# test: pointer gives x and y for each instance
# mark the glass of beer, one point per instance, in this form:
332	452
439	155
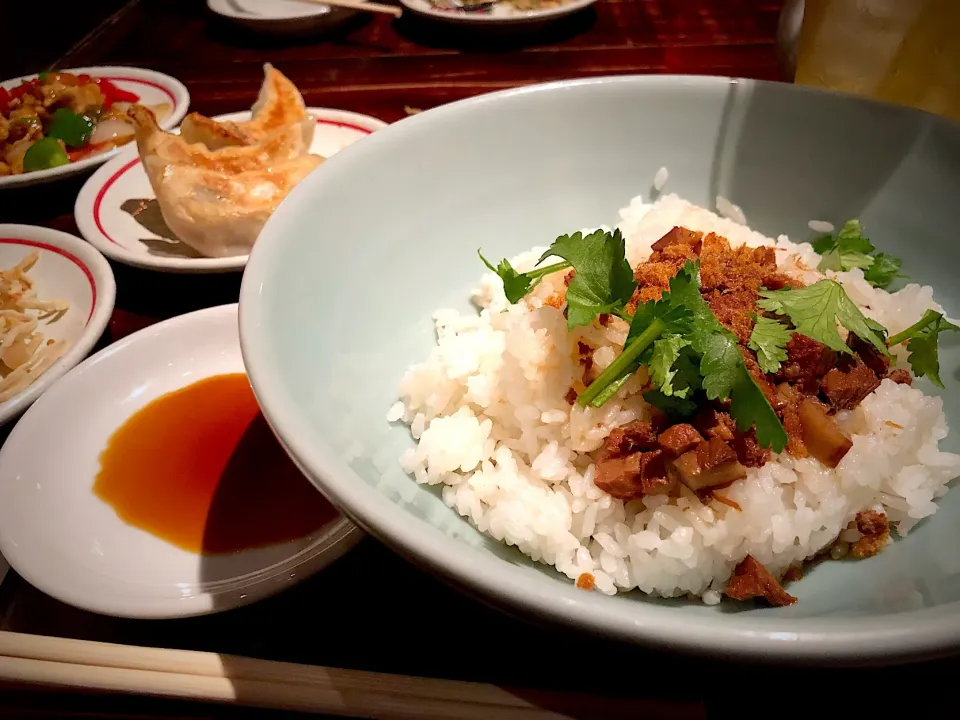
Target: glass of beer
899	51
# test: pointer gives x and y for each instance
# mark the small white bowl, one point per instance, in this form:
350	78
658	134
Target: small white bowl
280	17
106	203
151	86
71	545
68	269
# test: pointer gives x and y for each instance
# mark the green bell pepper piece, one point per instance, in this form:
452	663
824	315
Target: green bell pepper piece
73	129
44	154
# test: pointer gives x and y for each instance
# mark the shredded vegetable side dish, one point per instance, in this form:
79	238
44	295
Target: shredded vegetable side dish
25	352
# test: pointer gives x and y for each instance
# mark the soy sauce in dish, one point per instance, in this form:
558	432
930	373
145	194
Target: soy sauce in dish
200	468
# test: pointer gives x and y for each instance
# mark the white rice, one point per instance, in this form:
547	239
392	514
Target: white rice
730	211
660	179
494	430
821	226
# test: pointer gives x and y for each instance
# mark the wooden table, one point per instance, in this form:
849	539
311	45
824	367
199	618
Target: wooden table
381	67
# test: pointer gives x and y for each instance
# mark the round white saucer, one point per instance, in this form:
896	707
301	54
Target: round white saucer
64	540
150	86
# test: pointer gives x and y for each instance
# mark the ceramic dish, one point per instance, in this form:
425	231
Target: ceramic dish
493	14
56	533
280	17
117	212
152	87
570	155
68	269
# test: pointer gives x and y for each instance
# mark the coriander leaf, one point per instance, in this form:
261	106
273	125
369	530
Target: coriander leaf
814	311
850	249
924	356
609	391
853	320
651	320
687	369
884	270
851	237
676	408
603	281
675	319
666	352
929	318
685	292
725	375
923	339
711	361
720	366
824	244
515	285
749	407
769	340
879	329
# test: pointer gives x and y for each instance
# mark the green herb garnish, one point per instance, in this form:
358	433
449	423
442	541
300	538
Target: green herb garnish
676	408
517	285
668	373
922	340
680	327
654	322
850	249
603	282
814	311
884	270
769	340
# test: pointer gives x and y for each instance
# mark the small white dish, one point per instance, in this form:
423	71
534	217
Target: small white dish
501	13
68	269
71	545
280	17
152	87
117	211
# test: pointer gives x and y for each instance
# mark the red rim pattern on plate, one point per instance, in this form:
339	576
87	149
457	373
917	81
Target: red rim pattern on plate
116	176
69	256
141	81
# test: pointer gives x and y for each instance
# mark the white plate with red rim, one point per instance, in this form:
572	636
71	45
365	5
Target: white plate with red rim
64	540
117	210
68	269
493	13
152	87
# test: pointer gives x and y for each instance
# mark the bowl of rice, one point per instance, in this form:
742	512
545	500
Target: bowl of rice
696	391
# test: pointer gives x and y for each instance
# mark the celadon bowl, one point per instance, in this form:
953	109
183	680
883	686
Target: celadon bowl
339	291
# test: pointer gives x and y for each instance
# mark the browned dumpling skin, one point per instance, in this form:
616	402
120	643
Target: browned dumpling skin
278	106
216	196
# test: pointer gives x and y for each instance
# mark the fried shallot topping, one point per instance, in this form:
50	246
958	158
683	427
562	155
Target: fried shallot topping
875	530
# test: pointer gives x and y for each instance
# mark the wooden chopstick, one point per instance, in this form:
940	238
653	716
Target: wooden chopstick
361	5
83	664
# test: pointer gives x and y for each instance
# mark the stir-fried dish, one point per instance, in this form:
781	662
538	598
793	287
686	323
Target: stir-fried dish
25	352
58	118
